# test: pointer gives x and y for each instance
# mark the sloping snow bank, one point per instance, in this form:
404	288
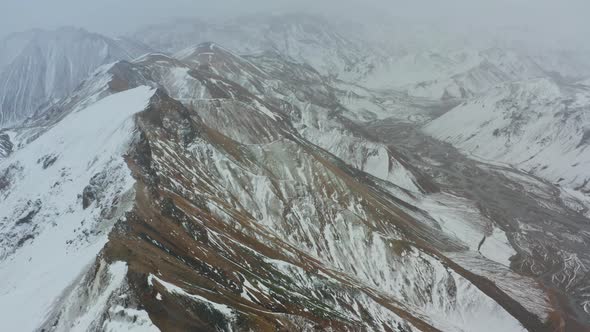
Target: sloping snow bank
47	238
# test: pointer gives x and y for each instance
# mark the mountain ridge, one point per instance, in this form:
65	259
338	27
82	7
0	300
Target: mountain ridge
231	192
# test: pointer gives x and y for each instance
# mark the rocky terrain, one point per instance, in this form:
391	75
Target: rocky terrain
265	185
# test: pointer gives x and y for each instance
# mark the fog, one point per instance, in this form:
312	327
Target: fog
562	22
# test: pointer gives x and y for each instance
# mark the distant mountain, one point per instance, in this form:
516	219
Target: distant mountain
537	125
334	51
566	64
13	44
444	75
39	67
305	38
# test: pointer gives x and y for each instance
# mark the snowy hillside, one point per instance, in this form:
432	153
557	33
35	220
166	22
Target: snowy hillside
538	126
40	67
60	196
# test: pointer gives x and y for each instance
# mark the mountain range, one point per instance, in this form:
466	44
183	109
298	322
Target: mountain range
276	173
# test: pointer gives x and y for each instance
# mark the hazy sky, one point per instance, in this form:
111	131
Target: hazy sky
568	17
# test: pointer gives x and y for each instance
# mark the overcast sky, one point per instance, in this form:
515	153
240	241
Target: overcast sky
565	18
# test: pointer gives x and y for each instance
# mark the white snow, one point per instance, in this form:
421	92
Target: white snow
370	157
86	142
475	312
497	248
129	320
535	125
261	108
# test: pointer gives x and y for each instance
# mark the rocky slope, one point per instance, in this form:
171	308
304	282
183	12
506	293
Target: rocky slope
240	214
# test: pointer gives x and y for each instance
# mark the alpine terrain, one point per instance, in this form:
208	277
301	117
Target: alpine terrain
279	173
39	67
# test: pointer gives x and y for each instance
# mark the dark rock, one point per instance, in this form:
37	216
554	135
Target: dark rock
93	191
27	217
6	146
22	241
88	196
47	161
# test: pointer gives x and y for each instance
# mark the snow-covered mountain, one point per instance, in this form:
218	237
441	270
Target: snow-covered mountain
305	38
242	196
40	67
289	188
13	44
539	126
567	64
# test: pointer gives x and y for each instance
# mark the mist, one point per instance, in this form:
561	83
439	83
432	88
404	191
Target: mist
561	23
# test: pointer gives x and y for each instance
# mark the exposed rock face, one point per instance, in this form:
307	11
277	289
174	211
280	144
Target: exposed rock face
94	192
6	146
